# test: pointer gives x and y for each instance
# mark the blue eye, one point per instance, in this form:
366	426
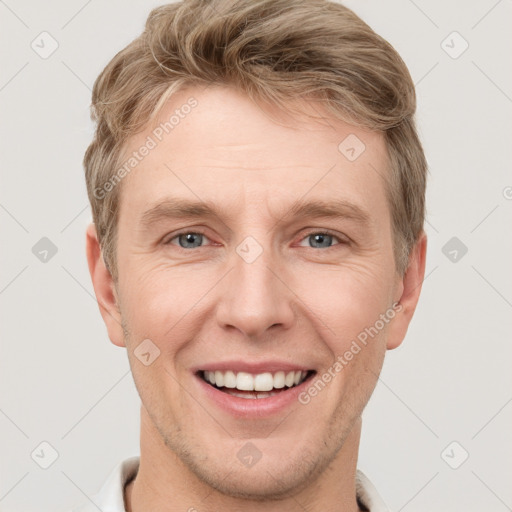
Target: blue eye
315	240
189	240
321	240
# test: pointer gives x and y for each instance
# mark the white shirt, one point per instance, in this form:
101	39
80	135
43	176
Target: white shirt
110	498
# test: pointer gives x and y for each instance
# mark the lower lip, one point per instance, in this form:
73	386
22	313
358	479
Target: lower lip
252	407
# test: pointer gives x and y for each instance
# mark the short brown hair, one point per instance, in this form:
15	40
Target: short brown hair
273	51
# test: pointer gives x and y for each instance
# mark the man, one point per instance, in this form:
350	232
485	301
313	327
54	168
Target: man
257	188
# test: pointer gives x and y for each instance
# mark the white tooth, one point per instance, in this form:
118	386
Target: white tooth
288	380
219	379
244	381
229	380
279	380
263	382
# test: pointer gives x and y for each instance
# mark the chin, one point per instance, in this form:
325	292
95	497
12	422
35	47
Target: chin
282	470
269	480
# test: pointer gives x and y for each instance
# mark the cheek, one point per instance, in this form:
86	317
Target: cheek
157	300
346	301
151	312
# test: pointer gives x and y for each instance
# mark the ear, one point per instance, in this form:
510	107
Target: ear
104	288
408	293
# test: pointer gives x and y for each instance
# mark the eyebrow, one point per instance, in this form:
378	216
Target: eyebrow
179	208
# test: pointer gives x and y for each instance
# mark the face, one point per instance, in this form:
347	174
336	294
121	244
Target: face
253	254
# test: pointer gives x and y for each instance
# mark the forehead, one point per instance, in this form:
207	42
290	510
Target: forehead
218	146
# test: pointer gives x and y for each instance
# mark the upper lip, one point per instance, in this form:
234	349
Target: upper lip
271	366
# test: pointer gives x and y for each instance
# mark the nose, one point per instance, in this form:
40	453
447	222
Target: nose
254	296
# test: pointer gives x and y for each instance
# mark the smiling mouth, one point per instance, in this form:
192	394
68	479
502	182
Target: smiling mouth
261	385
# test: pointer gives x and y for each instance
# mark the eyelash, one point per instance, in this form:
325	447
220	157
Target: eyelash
328	232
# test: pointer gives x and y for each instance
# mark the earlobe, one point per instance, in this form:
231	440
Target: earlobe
409	293
104	288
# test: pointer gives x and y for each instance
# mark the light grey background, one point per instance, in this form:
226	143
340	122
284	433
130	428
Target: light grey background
63	382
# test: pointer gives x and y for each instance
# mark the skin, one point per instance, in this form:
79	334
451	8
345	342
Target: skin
300	301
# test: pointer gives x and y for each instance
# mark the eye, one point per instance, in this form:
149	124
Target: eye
187	239
317	240
322	240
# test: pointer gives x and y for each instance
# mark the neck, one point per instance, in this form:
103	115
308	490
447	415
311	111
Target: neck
164	484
